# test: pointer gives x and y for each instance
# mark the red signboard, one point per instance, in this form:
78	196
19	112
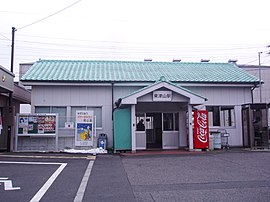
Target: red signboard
201	129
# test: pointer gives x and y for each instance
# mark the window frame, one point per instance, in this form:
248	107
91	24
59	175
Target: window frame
217	114
61	124
68	113
98	120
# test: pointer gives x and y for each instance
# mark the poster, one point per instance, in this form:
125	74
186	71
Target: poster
23	124
35	124
84	128
201	129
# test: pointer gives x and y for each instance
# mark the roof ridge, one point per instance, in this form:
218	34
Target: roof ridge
131	61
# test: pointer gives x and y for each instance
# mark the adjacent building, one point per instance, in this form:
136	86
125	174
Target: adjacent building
260	95
11	96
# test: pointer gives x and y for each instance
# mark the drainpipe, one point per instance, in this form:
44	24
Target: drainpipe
112	113
112	99
252	89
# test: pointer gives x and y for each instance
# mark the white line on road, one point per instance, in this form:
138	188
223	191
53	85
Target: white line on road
30	163
47	185
49	182
81	190
8	185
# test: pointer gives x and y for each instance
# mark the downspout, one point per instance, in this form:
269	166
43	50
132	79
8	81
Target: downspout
252	89
112	113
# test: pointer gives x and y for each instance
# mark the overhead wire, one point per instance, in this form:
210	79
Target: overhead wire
5	37
48	16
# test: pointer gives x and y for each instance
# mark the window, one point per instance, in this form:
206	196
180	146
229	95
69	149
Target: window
62	115
140	122
227	116
97	113
170	121
221	116
42	109
61	111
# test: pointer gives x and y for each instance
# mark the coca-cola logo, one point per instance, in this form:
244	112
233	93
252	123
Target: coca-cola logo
202	126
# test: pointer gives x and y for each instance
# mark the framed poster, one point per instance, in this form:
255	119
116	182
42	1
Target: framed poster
36	124
84	128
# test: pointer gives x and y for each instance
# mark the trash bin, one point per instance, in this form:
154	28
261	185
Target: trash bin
217	140
211	142
102	141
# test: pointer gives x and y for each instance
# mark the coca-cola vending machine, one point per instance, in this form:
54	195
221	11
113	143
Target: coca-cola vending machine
201	129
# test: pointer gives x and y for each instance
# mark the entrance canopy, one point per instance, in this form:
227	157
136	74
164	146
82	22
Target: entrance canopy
163	91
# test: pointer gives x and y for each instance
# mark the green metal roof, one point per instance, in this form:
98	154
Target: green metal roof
127	71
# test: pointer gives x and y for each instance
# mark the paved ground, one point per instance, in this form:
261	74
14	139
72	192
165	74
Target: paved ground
205	176
237	176
32	172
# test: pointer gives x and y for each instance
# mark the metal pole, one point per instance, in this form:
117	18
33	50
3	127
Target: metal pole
12	49
260	76
10	99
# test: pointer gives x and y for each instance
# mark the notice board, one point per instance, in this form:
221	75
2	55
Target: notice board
36	124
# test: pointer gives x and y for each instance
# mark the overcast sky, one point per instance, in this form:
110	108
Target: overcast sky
190	30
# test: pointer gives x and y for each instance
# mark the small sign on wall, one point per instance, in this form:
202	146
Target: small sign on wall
69	124
162	95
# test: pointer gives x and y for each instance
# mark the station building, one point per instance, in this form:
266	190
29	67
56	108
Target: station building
122	93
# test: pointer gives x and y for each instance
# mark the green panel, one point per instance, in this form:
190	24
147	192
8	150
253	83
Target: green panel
122	129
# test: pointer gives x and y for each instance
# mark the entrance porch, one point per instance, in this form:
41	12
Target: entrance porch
165	111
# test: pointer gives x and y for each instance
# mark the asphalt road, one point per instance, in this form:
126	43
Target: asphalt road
213	176
30	174
229	176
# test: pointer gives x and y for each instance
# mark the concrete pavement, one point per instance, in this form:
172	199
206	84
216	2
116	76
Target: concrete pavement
233	175
215	176
109	181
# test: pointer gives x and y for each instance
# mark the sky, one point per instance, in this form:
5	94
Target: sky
132	30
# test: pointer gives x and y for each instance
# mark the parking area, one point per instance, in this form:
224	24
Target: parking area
216	176
43	178
213	176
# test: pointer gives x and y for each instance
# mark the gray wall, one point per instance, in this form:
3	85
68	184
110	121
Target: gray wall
94	96
265	77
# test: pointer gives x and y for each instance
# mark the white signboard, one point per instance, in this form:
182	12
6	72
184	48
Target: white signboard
162	95
84	128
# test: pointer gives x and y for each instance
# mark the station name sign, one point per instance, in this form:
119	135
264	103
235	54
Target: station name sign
162	95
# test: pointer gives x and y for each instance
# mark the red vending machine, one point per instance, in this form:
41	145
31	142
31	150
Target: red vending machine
201	129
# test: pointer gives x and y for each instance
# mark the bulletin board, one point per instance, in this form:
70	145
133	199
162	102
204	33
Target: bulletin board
36	125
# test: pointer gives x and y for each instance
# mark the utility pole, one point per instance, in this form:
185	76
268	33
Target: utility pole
10	99
260	76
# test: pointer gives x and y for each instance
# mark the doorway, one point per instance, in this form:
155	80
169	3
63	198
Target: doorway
153	128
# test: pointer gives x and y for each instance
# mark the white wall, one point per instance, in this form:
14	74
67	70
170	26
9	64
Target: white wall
224	95
234	96
102	97
77	96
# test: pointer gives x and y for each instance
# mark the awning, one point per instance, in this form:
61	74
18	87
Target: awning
162	83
